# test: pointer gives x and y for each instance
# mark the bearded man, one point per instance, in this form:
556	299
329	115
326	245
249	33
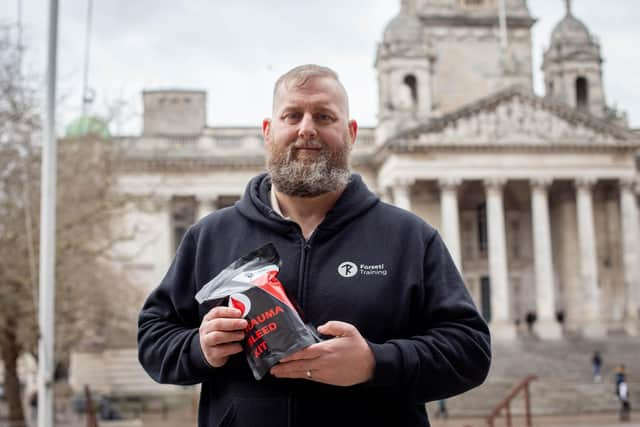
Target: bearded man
393	340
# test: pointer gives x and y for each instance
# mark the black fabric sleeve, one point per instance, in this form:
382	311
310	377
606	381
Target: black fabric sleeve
168	342
453	354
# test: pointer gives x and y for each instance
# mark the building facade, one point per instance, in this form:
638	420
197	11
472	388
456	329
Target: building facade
536	197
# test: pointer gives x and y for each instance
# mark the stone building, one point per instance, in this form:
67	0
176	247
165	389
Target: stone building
535	196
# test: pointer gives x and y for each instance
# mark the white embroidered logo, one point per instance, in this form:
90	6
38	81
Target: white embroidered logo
347	269
350	269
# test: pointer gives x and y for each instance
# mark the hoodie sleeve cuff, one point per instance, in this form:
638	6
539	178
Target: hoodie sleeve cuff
197	356
386	357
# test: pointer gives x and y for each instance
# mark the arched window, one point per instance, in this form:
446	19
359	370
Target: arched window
582	93
412	84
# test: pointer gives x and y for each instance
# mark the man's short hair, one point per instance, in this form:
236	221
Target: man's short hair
301	75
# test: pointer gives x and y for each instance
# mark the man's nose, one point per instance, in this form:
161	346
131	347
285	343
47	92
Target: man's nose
307	128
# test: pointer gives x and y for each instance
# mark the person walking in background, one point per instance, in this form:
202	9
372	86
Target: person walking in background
596	362
620	376
442	409
623	397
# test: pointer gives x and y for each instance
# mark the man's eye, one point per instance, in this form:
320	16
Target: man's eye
292	117
324	118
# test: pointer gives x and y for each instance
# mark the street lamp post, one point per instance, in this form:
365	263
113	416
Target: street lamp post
46	309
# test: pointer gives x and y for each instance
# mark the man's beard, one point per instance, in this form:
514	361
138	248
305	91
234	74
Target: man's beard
309	177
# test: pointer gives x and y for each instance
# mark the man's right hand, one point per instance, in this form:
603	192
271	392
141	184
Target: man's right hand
221	331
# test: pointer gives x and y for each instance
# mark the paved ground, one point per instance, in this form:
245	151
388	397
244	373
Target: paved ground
186	417
593	420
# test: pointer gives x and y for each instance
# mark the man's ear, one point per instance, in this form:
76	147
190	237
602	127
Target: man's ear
353	130
266	130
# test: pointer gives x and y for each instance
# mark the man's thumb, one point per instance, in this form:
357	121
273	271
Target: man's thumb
336	329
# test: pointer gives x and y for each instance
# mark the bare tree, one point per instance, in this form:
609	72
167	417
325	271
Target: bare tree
19	124
90	283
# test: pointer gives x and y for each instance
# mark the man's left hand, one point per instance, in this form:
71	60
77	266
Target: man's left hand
343	360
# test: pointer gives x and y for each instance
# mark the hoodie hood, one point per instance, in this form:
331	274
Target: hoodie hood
354	201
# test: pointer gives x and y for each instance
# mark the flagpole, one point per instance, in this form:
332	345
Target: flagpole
46	308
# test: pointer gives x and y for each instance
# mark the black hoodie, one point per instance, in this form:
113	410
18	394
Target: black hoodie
368	263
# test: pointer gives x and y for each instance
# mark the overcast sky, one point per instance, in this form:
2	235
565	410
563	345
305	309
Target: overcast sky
235	50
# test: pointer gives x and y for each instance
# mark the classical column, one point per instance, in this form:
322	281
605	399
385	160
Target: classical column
592	323
162	248
501	325
546	325
206	205
401	193
631	253
385	195
450	217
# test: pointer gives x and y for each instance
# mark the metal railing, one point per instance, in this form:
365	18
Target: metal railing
92	420
505	404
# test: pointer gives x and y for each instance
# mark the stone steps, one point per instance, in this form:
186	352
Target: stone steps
115	372
605	419
565	383
569	361
546	398
564	386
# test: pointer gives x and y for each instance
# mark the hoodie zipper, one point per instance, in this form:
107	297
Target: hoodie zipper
302	270
291	414
302	283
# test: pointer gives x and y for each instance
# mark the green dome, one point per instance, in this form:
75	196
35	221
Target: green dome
87	125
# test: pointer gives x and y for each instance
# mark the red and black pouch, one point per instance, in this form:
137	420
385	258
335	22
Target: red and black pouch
275	328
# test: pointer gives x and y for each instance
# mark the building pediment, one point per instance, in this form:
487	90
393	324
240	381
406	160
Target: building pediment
514	117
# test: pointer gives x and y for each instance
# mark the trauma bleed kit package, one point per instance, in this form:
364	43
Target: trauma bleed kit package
275	328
